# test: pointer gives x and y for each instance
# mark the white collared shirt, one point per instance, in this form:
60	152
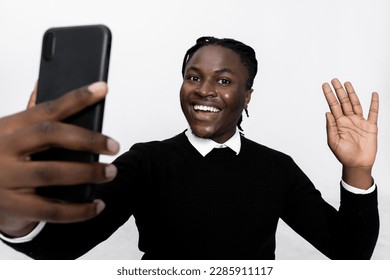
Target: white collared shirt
204	145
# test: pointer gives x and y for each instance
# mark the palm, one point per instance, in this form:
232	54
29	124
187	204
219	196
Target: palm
351	138
354	144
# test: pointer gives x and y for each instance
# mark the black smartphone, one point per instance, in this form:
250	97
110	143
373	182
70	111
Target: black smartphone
73	57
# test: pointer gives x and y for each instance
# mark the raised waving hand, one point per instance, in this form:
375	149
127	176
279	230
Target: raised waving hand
351	137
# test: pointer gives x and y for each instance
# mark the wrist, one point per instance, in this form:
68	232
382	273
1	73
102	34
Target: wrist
359	177
14	233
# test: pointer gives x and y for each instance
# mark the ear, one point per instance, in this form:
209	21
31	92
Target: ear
248	95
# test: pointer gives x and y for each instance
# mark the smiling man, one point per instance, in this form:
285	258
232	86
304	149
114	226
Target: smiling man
214	92
211	193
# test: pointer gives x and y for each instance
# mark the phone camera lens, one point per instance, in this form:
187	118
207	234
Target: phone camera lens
48	46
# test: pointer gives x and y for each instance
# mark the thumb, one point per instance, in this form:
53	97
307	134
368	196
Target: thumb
33	97
331	128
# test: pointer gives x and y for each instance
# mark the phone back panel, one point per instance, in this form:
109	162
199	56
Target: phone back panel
73	57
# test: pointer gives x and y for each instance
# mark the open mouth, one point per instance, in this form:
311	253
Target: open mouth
204	108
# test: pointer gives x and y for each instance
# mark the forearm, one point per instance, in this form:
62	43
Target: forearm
349	233
55	241
359	225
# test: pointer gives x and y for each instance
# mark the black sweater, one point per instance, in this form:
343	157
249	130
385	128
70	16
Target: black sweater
222	206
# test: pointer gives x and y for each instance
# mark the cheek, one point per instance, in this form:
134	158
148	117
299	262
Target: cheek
184	91
182	94
233	100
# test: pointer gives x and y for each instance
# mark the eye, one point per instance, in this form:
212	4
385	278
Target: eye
193	78
223	81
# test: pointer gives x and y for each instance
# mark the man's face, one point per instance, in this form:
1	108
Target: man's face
213	94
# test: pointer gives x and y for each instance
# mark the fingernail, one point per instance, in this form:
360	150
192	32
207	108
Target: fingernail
110	171
99	88
112	145
99	206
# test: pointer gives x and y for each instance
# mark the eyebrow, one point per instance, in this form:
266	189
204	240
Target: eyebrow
223	70
218	71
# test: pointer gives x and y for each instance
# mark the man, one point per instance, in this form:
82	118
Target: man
210	193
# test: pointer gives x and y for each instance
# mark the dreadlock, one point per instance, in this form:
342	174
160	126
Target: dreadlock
246	53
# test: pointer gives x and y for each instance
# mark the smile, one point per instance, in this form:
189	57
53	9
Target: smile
206	108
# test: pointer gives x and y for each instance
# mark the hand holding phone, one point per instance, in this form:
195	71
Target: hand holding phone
38	128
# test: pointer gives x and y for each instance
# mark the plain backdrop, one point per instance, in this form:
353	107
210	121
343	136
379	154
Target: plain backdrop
299	45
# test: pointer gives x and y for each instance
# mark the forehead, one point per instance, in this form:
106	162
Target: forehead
214	57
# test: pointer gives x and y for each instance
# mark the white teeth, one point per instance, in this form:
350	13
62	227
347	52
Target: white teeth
206	108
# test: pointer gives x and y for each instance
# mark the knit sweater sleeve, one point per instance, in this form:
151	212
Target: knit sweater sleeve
348	233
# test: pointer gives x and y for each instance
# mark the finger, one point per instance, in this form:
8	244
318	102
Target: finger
43	173
374	108
343	98
60	108
354	99
37	208
70	103
33	97
47	134
334	105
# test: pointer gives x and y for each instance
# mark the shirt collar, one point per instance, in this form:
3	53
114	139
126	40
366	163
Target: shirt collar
204	145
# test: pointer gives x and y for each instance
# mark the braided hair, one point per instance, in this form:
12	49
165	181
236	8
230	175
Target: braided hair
246	53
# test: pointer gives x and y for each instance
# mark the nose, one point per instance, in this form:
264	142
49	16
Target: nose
206	89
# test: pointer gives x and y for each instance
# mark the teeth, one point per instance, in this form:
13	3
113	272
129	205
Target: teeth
206	108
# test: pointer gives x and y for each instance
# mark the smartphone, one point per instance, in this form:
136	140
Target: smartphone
73	57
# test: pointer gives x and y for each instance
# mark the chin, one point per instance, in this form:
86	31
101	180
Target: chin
202	132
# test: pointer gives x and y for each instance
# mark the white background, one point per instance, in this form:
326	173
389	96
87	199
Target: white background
299	45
